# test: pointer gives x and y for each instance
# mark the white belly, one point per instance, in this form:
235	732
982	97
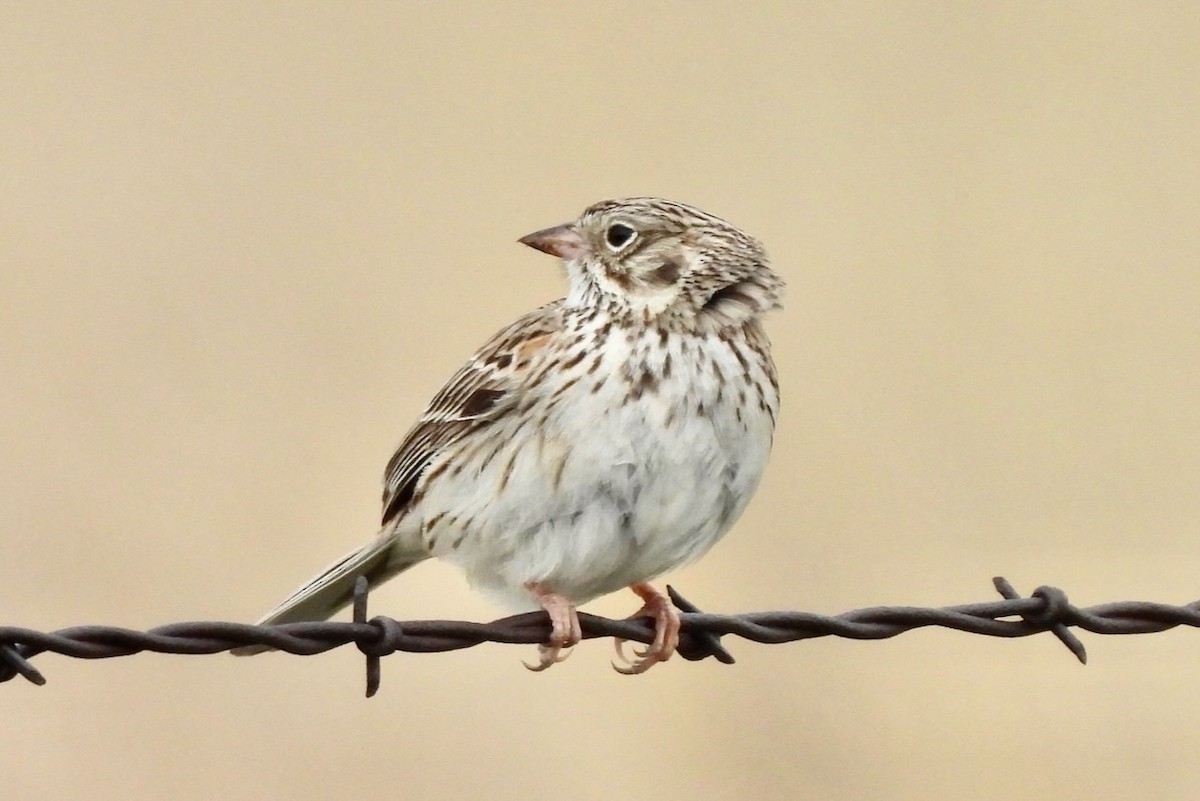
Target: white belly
601	489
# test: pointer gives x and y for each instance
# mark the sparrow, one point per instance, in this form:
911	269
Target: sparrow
596	442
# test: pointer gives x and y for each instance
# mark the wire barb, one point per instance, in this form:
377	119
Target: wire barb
19	665
1056	607
700	637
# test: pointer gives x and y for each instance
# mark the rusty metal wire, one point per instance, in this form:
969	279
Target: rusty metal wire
1046	610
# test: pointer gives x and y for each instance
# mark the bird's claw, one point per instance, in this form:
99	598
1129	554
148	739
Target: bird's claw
666	633
549	655
565	631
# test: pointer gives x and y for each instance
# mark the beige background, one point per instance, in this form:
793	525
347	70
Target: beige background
241	246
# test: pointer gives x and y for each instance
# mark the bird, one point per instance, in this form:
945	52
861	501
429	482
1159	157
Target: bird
596	442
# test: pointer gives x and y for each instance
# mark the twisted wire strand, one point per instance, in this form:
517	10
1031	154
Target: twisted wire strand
1046	610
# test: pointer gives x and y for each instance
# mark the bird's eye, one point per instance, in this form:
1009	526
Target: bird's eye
618	236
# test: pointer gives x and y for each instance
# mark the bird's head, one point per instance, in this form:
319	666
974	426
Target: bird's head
662	262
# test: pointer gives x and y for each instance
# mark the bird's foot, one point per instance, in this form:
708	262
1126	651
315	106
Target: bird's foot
666	632
564	628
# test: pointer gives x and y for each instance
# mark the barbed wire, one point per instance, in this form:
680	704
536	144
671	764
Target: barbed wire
1046	610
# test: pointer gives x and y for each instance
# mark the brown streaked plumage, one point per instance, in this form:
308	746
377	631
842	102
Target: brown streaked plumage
598	440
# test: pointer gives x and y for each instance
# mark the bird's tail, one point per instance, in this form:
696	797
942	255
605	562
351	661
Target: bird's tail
333	588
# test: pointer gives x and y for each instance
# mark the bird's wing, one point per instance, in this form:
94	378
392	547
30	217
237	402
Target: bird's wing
487	386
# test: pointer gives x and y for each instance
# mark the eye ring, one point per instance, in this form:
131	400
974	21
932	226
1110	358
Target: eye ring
618	236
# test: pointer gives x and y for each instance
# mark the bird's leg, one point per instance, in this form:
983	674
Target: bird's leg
666	631
564	627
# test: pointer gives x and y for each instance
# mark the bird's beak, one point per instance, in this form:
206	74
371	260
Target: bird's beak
561	240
